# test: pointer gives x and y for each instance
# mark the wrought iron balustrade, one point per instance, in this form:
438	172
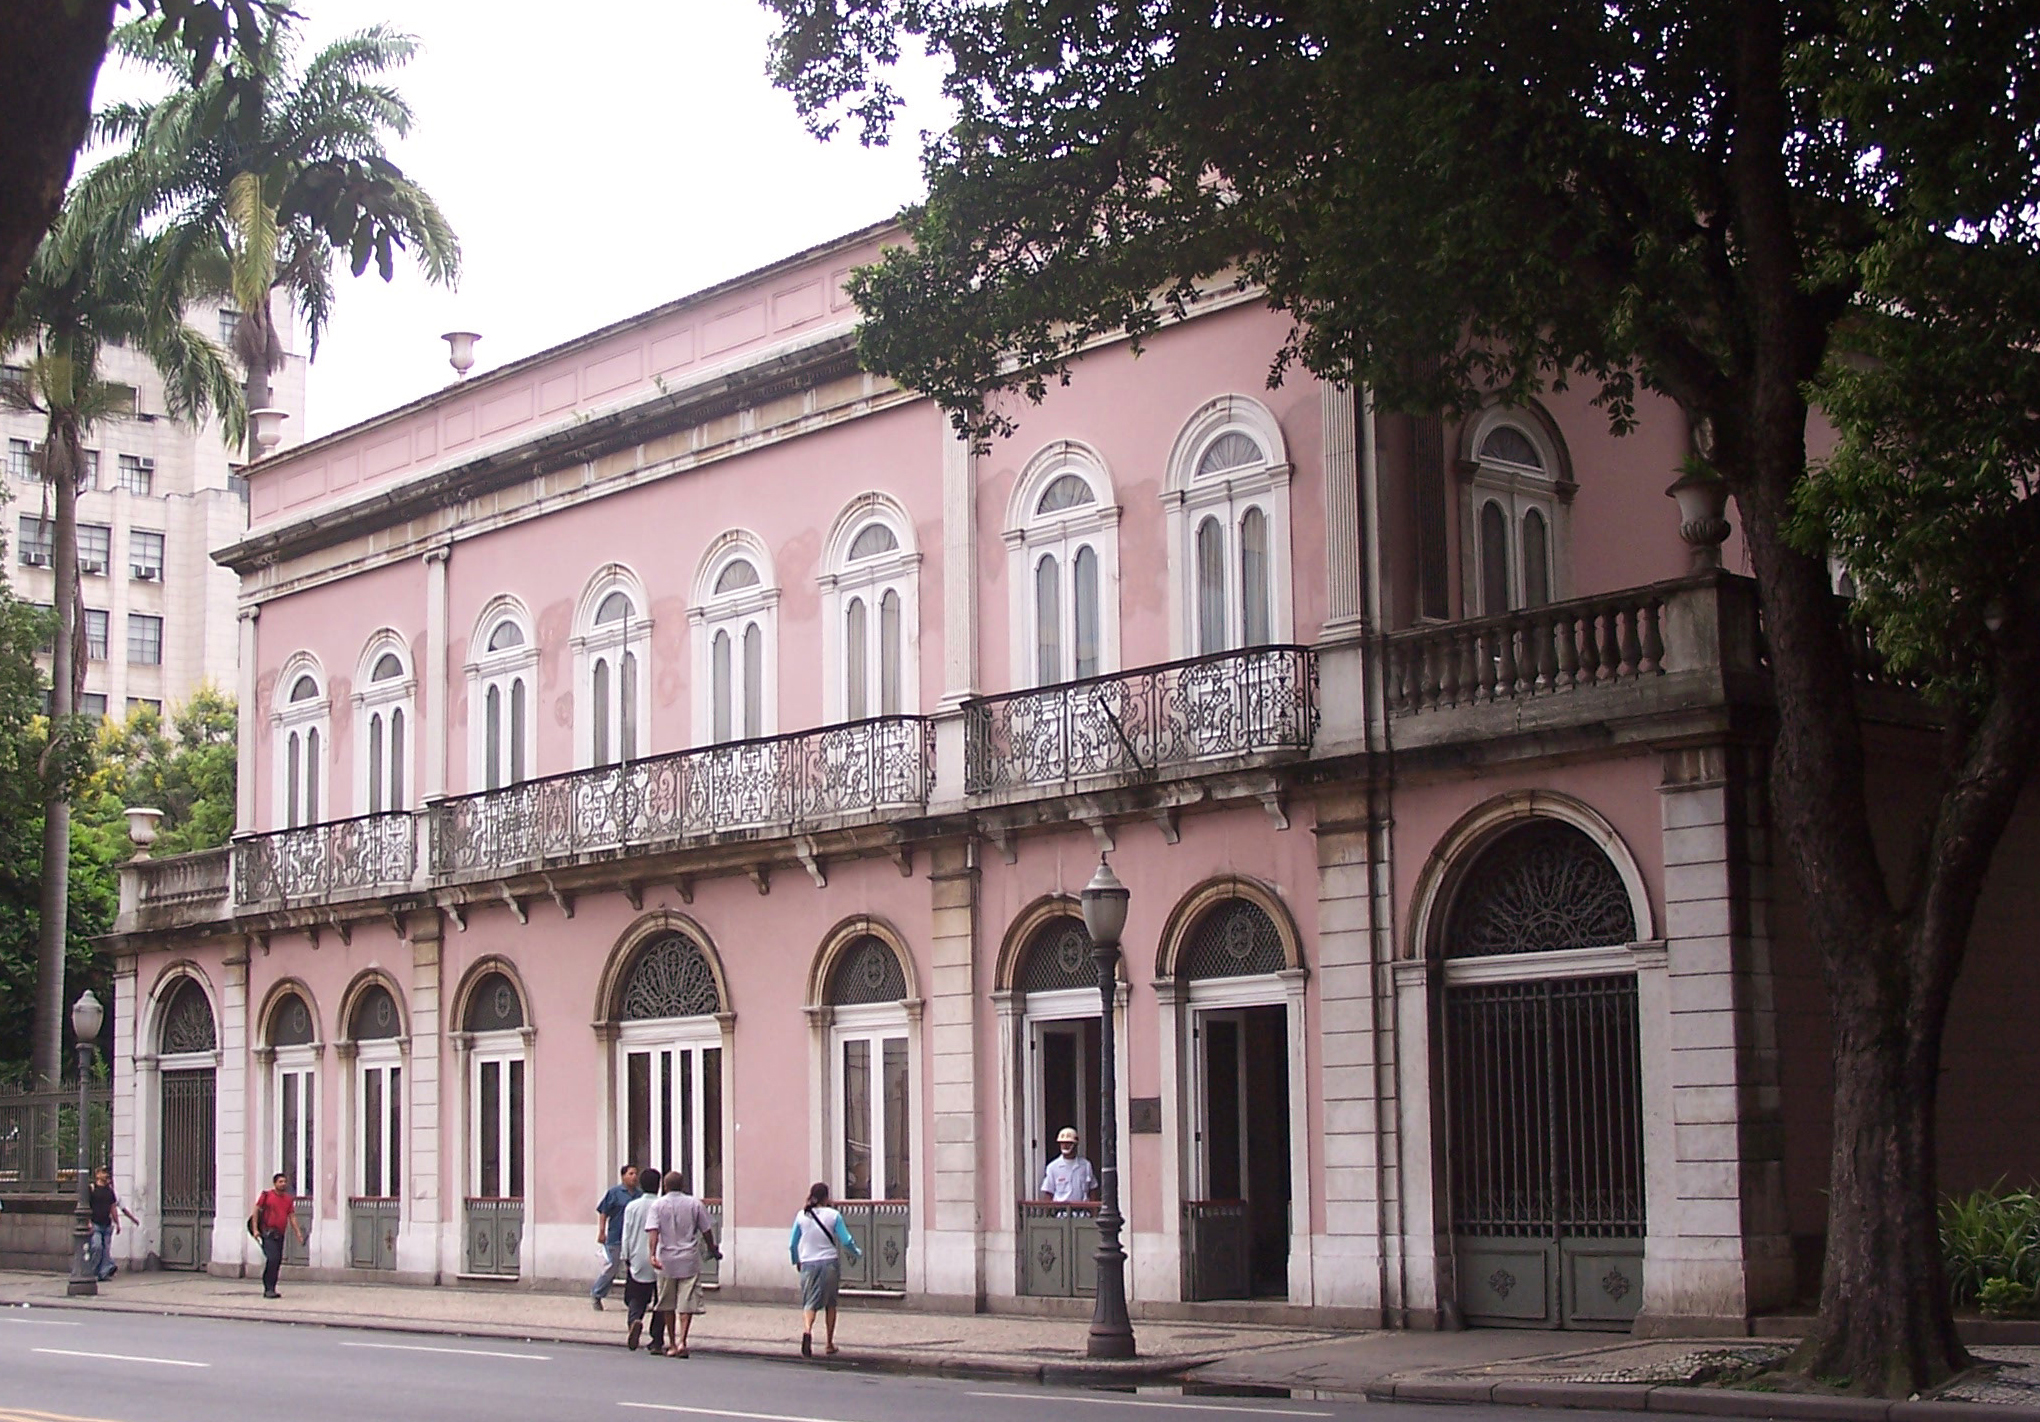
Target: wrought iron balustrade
183	878
1058	1248
1538	651
1135	723
775	783
338	857
880	1228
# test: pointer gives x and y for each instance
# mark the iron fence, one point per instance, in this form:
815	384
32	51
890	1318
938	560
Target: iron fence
315	861
775	783
1136	723
39	1138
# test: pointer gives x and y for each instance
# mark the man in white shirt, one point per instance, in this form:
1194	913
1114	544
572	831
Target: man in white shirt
640	1283
1069	1176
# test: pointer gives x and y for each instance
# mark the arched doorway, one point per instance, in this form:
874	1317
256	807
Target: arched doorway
375	1205
871	1058
291	1045
187	1047
670	1065
1054	986
493	1042
1237	1215
1543	1093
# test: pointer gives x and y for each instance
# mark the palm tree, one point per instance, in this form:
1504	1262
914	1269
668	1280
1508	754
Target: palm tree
259	173
84	289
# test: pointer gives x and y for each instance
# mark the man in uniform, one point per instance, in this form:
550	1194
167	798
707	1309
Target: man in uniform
1069	1176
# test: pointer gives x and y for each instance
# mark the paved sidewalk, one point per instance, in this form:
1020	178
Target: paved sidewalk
872	1335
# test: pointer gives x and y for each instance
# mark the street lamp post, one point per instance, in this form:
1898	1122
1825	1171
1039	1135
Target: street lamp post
86	1016
1104	900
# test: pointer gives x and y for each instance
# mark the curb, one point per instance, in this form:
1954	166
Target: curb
1707	1402
1073	1370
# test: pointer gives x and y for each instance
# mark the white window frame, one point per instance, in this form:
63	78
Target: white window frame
605	644
298	722
1030	537
1517	489
844	581
297	1158
501	671
677	1035
500	1050
733	613
1188	499
876	1024
380	1054
375	704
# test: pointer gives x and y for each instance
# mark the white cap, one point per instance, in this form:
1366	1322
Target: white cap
1067	1133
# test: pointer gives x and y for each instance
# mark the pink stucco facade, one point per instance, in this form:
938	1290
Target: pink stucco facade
678	749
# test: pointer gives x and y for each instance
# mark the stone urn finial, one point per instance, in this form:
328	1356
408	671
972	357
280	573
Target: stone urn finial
265	430
142	828
1703	508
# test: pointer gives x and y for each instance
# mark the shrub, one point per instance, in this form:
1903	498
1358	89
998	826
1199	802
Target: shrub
1992	1238
2005	1298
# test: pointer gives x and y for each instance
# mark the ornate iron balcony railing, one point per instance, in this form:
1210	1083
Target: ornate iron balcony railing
338	857
1136	723
776	783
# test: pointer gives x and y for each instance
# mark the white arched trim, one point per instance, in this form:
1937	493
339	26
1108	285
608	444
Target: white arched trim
613	657
511	674
1461	847
385	728
1533	561
1034	538
1249	503
301	740
862	585
737	614
172	977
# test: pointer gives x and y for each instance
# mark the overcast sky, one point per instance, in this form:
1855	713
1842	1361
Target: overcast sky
596	158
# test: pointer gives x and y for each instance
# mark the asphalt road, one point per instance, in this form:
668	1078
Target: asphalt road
62	1364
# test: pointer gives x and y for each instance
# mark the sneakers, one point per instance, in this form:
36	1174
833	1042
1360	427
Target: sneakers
637	1328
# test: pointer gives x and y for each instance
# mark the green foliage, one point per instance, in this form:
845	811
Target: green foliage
1991	1240
186	769
2006	1298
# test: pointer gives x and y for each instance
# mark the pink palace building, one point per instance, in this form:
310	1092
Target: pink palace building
679	748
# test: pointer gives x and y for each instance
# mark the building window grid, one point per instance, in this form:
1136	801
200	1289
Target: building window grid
21	459
137	475
734	627
145	554
36	546
95	634
144	640
95	548
1516	498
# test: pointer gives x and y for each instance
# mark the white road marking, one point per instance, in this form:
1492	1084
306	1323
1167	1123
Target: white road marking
122	1358
723	1412
465	1352
1158	1402
43	1322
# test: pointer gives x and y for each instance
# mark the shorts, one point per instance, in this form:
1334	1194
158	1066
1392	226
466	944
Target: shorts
818	1285
681	1295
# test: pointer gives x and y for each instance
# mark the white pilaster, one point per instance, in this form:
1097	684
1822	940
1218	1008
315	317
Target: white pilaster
418	1237
245	723
435	681
231	1193
959	569
130	1174
1343	569
955	1260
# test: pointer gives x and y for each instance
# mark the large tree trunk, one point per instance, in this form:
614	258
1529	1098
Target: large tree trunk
1884	1310
50	52
54	926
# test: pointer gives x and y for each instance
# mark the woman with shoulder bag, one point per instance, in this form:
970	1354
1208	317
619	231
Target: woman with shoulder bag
819	1242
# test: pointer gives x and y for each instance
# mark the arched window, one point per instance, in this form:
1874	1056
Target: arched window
1227	499
871	597
612	648
188	1021
670	1061
735	619
383	720
294	1093
871	1064
1232	939
1541	887
493	1021
1063	549
375	1029
502	700
300	728
1519	496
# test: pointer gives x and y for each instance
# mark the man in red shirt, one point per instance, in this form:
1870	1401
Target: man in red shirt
275	1211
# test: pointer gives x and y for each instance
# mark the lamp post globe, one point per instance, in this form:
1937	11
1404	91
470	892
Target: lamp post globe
1104	902
87	1016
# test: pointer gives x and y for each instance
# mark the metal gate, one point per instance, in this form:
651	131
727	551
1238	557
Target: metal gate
187	1155
1545	1141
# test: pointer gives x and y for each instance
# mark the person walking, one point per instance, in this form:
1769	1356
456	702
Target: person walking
680	1233
609	1230
275	1211
820	1240
640	1281
106	1212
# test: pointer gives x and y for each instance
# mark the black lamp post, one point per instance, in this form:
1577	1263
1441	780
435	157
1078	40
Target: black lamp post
1104	900
86	1016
